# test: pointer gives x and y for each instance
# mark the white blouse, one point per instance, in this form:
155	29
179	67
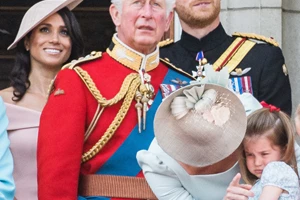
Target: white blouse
169	180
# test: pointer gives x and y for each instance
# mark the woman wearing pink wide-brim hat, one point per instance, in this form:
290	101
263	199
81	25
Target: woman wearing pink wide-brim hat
48	37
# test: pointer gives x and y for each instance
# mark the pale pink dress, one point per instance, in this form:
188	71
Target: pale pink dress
22	132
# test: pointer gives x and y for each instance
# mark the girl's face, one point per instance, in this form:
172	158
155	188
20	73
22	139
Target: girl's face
260	151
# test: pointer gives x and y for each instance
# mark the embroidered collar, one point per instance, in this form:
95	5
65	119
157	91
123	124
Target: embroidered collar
131	58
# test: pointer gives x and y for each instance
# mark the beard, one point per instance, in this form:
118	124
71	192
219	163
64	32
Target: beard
197	20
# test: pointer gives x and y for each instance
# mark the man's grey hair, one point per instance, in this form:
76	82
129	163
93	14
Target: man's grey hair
169	3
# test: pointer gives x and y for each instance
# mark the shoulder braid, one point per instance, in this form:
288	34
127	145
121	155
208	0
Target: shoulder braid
92	56
269	40
167	62
165	42
127	92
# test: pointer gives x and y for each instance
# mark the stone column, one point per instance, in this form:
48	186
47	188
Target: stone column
291	44
262	17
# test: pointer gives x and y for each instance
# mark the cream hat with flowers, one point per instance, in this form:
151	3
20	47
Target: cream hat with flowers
200	124
38	13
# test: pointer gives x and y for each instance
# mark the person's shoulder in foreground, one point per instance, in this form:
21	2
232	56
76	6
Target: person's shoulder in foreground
7	186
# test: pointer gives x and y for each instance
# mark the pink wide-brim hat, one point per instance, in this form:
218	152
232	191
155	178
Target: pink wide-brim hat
193	139
38	13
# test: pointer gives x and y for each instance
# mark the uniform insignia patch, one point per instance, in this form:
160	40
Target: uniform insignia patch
240	72
59	92
179	82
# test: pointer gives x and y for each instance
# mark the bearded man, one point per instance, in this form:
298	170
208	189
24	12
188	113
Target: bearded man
255	68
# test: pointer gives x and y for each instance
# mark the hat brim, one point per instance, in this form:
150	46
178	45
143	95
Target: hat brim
217	143
38	13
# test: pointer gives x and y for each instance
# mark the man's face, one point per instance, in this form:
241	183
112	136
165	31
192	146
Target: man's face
142	23
198	13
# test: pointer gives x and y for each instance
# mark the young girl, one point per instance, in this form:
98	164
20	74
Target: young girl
268	159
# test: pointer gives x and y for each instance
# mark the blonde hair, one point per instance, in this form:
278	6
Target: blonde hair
277	127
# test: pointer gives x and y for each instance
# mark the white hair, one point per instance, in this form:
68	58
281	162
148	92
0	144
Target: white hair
169	4
118	4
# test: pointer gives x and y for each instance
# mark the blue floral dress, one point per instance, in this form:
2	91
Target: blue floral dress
281	175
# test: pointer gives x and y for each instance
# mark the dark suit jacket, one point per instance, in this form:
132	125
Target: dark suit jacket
269	83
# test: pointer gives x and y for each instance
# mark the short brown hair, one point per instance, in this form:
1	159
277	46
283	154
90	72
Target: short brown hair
277	127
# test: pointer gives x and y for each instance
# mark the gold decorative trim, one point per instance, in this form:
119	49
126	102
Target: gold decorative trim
257	37
127	91
239	55
51	87
116	122
165	42
93	123
88	81
167	62
133	59
225	55
234	54
92	56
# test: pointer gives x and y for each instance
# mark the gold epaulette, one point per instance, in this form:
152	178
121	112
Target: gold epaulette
92	56
165	42
169	64
254	36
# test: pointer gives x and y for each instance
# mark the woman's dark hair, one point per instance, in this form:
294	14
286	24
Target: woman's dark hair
22	67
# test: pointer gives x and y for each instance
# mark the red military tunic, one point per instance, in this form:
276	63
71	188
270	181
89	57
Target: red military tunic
70	110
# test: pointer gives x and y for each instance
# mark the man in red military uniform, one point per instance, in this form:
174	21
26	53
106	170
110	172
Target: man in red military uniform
100	109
